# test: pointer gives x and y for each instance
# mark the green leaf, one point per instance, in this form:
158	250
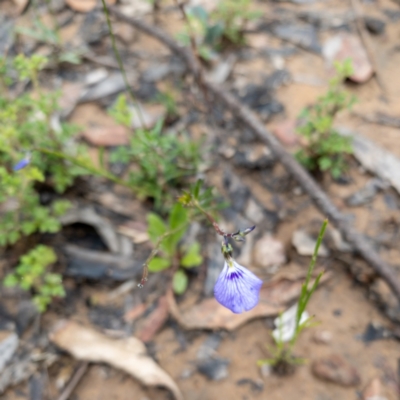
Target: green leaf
325	163
158	264
178	218
180	282
10	280
156	227
192	258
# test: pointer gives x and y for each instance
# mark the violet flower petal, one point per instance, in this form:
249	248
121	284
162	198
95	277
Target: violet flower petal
21	164
237	288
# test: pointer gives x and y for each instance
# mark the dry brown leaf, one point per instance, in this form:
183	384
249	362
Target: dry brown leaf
128	354
154	321
82	5
209	314
85	6
116	135
135	312
20	5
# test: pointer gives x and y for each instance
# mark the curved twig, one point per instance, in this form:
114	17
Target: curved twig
247	117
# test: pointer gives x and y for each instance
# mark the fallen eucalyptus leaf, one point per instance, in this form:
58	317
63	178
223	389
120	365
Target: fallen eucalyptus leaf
128	354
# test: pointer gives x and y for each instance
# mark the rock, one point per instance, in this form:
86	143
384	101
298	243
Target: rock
113	84
375	25
373	391
8	345
269	252
305	244
261	99
209	347
93	28
6	34
71	92
336	369
95	76
322	337
215	369
303	35
367	193
285	131
375	331
254	156
220	73
277	79
254	212
344	46
375	159
335	240
238	192
255	386
214	266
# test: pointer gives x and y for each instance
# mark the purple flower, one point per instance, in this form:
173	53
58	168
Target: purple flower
237	288
22	163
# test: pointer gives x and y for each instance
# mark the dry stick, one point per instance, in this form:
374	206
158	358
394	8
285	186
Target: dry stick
362	32
248	118
74	381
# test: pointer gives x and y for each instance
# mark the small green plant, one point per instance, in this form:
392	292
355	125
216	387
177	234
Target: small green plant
223	25
173	255
26	124
159	161
42	33
32	274
326	149
282	359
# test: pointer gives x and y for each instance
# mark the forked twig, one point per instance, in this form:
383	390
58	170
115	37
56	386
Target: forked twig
249	119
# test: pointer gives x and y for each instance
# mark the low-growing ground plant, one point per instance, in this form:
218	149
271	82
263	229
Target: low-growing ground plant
158	161
326	149
283	359
26	123
31	274
172	254
212	31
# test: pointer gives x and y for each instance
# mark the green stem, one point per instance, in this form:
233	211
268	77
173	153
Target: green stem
305	291
121	65
88	167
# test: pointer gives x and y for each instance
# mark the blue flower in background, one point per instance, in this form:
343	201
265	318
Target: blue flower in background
237	288
22	163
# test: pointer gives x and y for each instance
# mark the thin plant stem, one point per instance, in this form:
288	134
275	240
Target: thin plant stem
90	168
121	65
305	291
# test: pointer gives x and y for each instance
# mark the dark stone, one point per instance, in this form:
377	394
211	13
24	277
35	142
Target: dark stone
238	193
393	15
93	28
255	387
375	25
261	99
278	78
255	156
367	193
303	35
215	369
375	332
337	312
107	317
